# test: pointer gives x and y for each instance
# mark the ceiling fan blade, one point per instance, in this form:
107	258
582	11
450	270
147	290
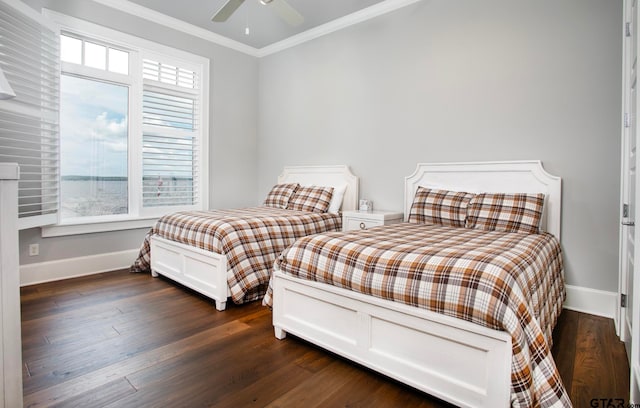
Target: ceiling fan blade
226	10
287	13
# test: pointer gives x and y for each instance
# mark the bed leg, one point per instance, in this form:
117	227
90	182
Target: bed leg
280	334
220	305
154	273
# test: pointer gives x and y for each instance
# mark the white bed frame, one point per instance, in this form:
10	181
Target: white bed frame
205	271
455	360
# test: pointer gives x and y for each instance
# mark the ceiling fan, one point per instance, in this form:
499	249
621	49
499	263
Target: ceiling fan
284	10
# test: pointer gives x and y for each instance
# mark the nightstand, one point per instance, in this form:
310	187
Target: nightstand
355	220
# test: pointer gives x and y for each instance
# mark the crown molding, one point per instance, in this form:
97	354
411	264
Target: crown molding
335	25
179	25
376	10
31	13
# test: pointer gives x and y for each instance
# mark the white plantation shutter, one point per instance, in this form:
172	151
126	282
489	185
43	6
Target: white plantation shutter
171	138
29	131
169	74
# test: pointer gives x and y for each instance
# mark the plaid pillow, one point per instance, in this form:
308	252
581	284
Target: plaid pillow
312	199
280	195
442	207
506	212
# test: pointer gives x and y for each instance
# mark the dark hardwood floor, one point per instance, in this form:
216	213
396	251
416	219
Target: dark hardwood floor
129	340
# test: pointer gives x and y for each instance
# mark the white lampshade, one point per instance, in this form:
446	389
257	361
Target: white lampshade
5	89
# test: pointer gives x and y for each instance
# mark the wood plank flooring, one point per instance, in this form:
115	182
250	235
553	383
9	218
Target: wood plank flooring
129	340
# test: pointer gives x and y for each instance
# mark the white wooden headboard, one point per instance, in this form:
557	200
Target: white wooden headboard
332	176
495	177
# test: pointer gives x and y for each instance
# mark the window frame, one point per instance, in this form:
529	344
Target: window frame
139	49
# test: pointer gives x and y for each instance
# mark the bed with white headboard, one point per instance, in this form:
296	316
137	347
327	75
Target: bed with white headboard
506	177
205	270
453	359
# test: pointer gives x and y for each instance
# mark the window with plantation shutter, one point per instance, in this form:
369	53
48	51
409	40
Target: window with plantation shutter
169	74
132	134
170	135
29	122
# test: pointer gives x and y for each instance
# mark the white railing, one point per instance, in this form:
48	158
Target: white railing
10	335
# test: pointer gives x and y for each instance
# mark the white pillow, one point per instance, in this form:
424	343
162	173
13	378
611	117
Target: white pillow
336	198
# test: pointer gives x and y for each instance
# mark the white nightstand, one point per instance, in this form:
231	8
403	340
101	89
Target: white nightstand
354	220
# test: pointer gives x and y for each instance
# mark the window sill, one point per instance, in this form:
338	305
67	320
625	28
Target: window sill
61	230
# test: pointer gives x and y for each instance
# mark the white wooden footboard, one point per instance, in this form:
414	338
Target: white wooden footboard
200	270
454	360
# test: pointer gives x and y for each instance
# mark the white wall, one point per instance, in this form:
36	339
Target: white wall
232	137
461	80
439	80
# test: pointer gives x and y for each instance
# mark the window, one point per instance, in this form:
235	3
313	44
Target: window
132	133
78	51
93	148
169	138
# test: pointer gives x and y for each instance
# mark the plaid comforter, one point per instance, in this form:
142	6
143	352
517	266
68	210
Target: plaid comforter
506	281
251	238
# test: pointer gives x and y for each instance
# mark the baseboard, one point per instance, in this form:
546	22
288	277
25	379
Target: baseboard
41	272
580	299
591	301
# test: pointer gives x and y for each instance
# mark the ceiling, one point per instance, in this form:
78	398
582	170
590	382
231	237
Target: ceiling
266	27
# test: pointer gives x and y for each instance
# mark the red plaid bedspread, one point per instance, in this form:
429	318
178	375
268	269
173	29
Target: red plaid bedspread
251	239
506	281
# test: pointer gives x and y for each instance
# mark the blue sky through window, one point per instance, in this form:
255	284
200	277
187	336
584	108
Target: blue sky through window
93	117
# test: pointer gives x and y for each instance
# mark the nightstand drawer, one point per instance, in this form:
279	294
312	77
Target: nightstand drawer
355	223
361	220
